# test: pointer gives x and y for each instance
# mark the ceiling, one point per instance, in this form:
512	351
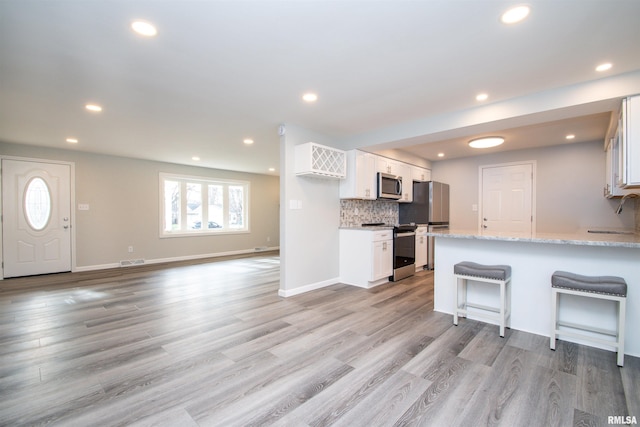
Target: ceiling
222	71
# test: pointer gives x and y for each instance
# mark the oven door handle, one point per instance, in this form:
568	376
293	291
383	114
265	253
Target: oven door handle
405	234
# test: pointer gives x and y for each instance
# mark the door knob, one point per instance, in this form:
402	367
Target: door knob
484	219
484	226
65	227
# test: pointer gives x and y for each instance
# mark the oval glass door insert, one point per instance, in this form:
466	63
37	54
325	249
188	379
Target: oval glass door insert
37	203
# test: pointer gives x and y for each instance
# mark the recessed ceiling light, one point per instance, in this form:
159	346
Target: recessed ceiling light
272	169
604	67
310	97
144	28
93	107
570	136
72	140
248	141
486	142
482	97
196	158
515	14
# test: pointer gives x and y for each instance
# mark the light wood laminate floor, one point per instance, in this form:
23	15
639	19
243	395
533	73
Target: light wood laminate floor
212	344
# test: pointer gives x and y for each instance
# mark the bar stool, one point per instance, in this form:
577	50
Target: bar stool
602	287
496	274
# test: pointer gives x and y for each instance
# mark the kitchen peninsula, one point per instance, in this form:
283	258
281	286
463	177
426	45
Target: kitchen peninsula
533	259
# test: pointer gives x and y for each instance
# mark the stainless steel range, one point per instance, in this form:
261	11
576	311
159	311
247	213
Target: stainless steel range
404	251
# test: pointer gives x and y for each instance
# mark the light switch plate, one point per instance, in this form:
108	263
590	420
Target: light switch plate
83	206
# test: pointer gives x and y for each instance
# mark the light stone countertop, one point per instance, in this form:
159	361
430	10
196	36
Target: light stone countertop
580	237
368	228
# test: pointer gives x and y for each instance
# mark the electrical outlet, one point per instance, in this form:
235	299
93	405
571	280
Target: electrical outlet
130	249
268	239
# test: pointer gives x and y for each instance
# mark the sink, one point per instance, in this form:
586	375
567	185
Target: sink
609	232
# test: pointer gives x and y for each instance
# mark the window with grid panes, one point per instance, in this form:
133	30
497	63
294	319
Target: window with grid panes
196	205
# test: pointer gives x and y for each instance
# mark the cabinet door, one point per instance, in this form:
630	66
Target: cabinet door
631	141
420	174
383	165
421	250
382	256
612	169
361	176
366	176
404	170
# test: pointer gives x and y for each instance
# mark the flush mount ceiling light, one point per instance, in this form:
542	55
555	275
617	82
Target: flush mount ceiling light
272	169
93	107
440	154
310	97
486	142
604	67
195	158
144	28
570	136
72	140
248	141
515	14
482	97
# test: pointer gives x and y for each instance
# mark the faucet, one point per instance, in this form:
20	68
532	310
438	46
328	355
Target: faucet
624	198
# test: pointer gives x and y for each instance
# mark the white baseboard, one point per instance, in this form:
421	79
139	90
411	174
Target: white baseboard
97	267
311	287
179	258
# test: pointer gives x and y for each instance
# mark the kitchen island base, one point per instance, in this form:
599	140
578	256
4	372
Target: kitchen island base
533	264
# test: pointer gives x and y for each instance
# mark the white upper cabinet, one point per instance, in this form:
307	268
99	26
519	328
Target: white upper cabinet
361	176
628	139
612	170
420	174
404	170
386	165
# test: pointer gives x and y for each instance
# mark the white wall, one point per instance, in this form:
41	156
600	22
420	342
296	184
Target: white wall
309	249
123	196
570	180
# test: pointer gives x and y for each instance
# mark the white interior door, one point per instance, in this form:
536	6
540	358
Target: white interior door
36	226
507	198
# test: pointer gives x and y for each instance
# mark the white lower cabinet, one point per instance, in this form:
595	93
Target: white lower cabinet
366	257
421	248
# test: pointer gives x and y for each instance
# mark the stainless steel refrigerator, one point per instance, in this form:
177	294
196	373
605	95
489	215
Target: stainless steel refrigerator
430	207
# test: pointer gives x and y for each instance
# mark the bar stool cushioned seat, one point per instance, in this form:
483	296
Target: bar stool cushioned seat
496	274
606	285
600	287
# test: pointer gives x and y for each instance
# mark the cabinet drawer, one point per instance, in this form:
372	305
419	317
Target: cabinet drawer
382	235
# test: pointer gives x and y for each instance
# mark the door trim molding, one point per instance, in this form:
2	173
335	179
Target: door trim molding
533	165
72	190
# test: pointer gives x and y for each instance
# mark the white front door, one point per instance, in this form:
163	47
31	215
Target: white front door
36	226
507	198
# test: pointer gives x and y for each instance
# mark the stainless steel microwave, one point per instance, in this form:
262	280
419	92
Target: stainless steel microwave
389	186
